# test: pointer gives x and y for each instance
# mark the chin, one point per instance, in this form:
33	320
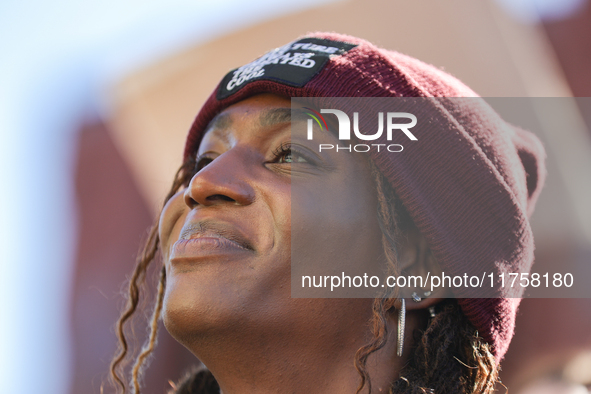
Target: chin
193	313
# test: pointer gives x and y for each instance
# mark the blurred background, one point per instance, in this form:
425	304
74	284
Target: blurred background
96	98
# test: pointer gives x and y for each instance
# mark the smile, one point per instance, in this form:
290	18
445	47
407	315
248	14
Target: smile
207	239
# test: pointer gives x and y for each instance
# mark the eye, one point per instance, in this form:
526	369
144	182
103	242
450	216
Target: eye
285	154
201	162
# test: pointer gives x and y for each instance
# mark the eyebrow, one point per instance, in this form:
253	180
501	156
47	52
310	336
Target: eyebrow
275	116
271	117
221	121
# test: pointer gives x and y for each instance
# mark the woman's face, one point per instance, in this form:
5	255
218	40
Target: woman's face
227	238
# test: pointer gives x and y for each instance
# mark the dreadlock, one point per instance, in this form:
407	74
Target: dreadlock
447	357
137	282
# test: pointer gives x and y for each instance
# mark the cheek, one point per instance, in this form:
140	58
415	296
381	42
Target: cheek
335	229
339	219
272	269
170	223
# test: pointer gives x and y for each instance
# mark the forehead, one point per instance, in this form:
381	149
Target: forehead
261	113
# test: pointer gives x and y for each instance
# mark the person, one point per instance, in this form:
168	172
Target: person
253	192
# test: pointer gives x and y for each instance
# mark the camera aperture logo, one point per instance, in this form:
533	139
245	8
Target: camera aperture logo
392	124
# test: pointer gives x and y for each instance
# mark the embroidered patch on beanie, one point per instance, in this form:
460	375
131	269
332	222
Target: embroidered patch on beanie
293	64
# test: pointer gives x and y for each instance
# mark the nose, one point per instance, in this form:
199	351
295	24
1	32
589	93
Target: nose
226	180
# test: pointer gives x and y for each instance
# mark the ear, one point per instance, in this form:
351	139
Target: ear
416	259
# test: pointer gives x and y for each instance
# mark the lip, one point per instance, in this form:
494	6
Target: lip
208	239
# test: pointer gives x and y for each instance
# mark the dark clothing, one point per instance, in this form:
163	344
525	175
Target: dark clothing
198	381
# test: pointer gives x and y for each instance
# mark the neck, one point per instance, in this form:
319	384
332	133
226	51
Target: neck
289	359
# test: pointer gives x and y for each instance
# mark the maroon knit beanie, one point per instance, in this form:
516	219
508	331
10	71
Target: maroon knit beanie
469	188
